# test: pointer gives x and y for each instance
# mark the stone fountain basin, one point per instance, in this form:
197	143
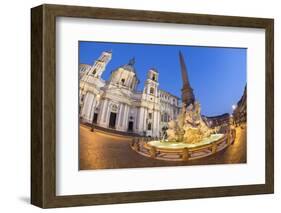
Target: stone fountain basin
181	145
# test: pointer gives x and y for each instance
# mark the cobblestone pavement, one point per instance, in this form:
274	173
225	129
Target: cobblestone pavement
101	150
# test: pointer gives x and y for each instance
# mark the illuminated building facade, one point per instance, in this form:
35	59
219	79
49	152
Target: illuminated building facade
117	104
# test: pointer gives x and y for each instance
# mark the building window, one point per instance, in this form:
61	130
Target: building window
149	126
123	81
151	90
104	57
150	115
165	117
154	77
94	71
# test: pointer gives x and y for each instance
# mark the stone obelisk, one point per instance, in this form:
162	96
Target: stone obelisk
186	91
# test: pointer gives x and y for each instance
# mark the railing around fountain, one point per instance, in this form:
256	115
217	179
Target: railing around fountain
141	146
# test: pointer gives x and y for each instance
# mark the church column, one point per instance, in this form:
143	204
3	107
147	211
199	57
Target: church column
154	117
126	115
103	113
85	106
125	118
92	110
90	102
107	112
137	118
120	116
144	120
140	120
99	121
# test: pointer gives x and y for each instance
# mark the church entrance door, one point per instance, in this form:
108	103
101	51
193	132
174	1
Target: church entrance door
112	120
95	118
130	126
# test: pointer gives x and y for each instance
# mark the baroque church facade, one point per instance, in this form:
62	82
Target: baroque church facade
117	104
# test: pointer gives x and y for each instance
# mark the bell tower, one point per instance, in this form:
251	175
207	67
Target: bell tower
186	91
151	84
99	65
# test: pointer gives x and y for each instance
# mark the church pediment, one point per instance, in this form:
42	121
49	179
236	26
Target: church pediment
118	94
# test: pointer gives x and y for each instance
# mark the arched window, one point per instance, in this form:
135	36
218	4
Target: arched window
151	90
123	81
94	71
154	77
149	126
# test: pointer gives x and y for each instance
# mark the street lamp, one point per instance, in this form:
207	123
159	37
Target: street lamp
234	106
96	104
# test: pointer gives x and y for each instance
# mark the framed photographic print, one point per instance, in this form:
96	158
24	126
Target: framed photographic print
136	106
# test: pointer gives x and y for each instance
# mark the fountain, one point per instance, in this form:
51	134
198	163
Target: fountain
188	130
188	137
189	126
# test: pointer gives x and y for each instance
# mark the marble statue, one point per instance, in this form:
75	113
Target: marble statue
189	127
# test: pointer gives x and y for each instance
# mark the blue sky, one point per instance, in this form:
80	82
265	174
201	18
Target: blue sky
217	75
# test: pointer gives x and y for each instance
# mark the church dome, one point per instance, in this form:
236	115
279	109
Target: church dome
130	66
125	76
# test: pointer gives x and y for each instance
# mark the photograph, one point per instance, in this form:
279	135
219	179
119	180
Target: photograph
154	105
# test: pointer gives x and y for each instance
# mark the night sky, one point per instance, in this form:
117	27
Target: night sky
217	75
